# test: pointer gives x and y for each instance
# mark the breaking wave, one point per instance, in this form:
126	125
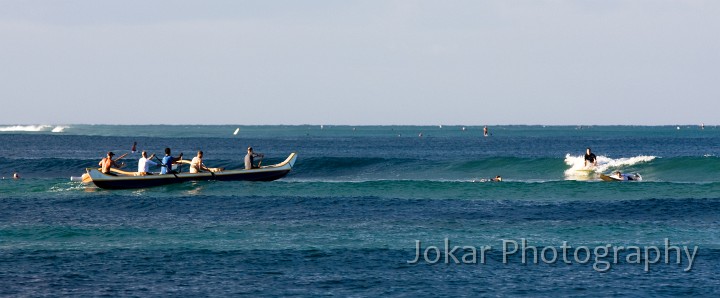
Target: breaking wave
33	128
604	163
59	129
25	128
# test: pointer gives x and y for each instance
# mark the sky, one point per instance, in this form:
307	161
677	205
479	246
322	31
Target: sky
366	62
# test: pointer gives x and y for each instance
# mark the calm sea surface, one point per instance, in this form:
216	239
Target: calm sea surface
348	218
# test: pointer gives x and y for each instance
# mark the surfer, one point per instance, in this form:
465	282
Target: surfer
134	147
196	165
250	159
496	179
145	162
167	162
16	175
590	157
107	162
485	131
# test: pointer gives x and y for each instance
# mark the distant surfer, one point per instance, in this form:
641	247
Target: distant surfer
16	175
496	179
485	131
134	147
590	157
620	176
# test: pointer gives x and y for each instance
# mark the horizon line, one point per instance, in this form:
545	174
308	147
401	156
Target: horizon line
359	125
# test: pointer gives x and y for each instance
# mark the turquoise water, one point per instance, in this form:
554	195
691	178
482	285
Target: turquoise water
346	220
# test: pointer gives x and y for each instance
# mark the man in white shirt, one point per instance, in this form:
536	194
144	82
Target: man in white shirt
145	162
196	165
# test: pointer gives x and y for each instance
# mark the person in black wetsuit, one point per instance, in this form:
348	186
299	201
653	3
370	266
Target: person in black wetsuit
590	157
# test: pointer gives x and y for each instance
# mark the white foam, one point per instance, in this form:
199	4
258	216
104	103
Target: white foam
59	128
25	128
577	163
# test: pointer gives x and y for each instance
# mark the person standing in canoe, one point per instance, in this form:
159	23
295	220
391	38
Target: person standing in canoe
196	165
145	162
250	159
107	162
590	157
168	161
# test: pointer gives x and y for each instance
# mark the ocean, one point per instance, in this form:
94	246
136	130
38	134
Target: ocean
366	211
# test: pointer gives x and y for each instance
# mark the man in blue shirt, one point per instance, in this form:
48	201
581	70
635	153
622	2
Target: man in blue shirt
167	162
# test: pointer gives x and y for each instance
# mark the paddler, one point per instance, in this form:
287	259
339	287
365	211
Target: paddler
107	162
196	165
250	159
168	161
145	162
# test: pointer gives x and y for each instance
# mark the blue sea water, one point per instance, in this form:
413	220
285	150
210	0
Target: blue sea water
346	220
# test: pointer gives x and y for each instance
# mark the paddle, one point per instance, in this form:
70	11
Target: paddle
169	167
120	166
180	164
115	161
160	163
121	156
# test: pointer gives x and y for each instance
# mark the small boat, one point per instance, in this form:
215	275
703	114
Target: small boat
120	179
621	177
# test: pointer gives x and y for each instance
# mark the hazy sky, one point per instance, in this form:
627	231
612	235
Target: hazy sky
360	62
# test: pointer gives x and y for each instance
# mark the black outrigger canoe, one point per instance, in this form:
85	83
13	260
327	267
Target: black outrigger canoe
127	180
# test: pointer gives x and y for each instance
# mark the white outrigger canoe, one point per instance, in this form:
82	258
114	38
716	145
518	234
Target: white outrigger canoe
124	180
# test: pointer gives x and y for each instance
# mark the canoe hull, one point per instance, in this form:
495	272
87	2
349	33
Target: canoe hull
131	180
152	182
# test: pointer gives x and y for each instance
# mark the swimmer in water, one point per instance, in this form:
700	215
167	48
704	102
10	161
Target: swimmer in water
496	179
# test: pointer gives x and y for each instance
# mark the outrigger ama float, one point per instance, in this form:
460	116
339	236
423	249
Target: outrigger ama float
126	180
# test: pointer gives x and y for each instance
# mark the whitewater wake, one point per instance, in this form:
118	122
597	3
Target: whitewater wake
604	163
